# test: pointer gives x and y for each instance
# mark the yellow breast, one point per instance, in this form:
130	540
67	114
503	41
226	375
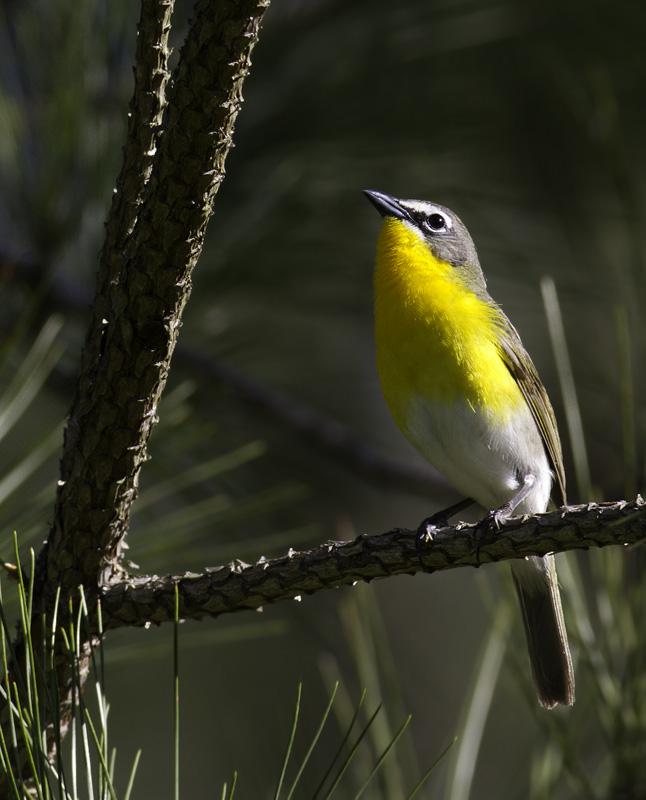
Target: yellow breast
435	338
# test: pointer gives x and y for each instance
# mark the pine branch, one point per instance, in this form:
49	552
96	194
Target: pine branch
143	284
173	164
138	600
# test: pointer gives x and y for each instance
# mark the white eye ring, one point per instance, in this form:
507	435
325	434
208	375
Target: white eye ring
437	222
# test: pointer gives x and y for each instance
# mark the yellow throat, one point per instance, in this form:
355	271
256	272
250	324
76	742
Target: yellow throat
436	339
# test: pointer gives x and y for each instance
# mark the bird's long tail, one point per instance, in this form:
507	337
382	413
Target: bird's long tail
540	602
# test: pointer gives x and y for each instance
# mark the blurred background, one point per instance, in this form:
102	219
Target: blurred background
525	118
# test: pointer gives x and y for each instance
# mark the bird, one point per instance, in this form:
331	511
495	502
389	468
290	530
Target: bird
464	391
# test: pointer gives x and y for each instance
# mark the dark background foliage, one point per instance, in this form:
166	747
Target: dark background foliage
528	120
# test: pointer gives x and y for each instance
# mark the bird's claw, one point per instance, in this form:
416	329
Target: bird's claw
491	521
426	533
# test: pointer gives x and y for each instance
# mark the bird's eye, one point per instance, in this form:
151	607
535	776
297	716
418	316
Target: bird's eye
436	222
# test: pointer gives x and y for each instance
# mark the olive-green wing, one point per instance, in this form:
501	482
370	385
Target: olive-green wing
524	372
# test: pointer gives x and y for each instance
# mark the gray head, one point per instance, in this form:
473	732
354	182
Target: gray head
441	229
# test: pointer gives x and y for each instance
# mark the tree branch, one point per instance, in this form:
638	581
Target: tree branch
139	600
139	305
173	164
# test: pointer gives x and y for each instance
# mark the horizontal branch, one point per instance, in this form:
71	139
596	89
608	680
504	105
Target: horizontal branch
139	600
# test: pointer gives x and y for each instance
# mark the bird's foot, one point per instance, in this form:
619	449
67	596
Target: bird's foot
426	529
491	521
426	534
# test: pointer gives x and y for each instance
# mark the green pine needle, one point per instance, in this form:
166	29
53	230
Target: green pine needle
422	780
105	769
352	753
382	757
290	743
343	743
33	697
131	778
233	786
314	741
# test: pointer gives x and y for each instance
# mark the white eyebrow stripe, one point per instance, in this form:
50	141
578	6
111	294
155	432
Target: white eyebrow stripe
423	207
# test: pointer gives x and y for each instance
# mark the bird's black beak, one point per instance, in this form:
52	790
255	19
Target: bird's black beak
386	205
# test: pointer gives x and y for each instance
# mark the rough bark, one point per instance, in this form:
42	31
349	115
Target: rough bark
138	600
174	158
144	283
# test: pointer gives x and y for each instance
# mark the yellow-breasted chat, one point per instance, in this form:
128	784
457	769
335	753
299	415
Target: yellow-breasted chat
464	391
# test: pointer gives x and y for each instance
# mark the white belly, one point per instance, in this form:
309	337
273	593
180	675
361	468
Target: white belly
482	459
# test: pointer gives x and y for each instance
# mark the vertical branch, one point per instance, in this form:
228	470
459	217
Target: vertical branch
145	118
173	164
130	342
